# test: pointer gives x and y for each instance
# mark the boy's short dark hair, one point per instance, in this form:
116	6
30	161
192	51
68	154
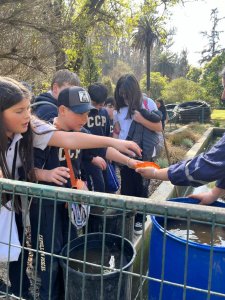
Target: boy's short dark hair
110	101
65	76
98	92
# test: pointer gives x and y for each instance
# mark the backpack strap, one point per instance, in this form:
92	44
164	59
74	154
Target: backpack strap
145	103
43	102
73	179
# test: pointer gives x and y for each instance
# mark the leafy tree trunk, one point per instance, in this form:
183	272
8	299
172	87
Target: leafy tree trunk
60	57
148	67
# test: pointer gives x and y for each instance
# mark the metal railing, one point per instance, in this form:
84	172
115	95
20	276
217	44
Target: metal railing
130	283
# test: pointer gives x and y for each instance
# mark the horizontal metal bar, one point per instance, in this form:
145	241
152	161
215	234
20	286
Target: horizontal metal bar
172	209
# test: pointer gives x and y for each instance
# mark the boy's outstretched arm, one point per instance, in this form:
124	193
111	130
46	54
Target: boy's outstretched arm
114	155
79	140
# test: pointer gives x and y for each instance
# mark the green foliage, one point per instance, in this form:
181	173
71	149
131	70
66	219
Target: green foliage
211	78
158	83
194	74
162	162
187	143
108	82
182	67
120	69
90	71
181	90
216	123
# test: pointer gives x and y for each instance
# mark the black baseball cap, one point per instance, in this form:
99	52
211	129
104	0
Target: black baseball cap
76	99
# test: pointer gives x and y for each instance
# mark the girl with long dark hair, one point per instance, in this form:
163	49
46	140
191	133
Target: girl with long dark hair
129	103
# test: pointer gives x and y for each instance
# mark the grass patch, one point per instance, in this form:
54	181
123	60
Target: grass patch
179	143
218	114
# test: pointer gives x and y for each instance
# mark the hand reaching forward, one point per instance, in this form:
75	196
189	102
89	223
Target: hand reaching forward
99	162
127	147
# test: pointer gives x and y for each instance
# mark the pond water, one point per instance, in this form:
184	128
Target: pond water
198	232
94	256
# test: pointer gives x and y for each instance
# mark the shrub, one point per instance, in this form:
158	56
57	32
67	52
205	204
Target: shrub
162	162
187	143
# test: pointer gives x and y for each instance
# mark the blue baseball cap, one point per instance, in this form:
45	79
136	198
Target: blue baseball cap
76	99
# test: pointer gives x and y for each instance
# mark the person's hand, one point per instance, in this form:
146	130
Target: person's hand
131	163
58	175
127	147
147	172
205	198
99	162
137	117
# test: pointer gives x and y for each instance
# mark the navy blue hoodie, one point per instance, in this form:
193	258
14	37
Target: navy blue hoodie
46	112
98	124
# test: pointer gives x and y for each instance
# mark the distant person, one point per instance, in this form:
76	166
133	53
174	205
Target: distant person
151	103
61	80
162	108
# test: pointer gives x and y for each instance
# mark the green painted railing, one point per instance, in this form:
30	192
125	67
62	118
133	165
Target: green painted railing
125	204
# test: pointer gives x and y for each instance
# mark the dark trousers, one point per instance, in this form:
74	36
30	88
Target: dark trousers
52	236
133	184
15	267
95	177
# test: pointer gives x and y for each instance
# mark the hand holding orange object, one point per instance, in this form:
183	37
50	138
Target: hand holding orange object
145	164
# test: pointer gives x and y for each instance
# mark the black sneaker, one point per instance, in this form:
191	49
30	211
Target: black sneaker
138	227
3	289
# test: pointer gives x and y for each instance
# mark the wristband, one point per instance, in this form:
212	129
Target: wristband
128	162
154	174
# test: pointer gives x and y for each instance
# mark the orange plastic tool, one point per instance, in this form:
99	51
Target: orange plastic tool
145	164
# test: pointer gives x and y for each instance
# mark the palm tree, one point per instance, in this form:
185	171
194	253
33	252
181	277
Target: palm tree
144	37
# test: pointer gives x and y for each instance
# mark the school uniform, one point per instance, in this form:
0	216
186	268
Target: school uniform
204	168
99	124
39	141
54	216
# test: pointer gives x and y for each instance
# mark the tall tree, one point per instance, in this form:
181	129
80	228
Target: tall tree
144	38
182	66
213	37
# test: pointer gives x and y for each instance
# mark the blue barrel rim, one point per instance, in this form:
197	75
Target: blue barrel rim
191	243
106	275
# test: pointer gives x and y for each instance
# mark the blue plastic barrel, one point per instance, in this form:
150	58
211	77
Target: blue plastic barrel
198	266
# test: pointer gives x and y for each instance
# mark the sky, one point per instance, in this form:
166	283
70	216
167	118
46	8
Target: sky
189	21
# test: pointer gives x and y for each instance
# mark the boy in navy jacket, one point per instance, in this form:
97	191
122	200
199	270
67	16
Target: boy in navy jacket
98	123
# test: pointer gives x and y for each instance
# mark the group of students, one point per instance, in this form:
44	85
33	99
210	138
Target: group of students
33	150
26	143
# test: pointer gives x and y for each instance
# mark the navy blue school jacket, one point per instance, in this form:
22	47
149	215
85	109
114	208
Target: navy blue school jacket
98	124
204	168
